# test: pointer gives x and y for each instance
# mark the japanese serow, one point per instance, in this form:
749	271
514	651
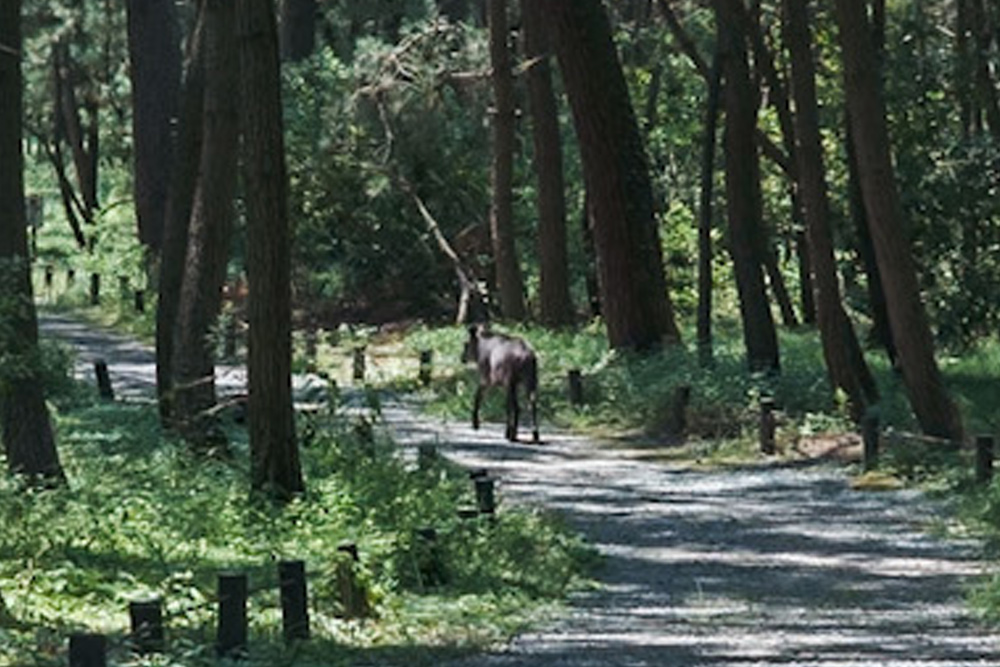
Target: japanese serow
503	361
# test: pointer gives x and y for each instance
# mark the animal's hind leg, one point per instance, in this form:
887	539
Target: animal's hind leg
533	398
475	406
512	412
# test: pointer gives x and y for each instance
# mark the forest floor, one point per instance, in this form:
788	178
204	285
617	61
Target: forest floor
764	565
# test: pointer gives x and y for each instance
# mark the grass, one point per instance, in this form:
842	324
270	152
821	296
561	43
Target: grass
143	516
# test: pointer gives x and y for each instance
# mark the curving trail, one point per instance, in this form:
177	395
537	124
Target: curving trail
768	566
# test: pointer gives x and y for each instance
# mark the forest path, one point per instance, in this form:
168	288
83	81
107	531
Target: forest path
761	566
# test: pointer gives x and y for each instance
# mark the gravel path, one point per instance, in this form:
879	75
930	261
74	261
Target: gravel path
765	566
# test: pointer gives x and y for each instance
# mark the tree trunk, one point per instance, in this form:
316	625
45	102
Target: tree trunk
155	57
79	138
985	86
634	298
590	257
275	467
704	325
556	306
27	434
769	258
743	195
845	363
209	232
508	273
177	219
298	29
931	403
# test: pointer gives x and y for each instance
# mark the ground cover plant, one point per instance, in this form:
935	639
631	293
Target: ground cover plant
141	516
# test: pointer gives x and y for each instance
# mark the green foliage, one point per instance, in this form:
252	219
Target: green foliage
143	516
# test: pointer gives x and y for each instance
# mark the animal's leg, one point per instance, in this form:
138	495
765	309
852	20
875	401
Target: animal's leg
475	406
533	399
512	411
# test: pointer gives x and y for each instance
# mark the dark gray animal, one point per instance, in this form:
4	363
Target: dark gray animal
503	361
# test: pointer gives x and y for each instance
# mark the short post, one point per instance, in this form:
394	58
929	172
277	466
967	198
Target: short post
70	277
677	417
359	363
294	600
429	562
123	287
870	438
229	339
95	289
767	425
426	361
88	650
49	273
104	389
984	458
231	636
485	496
575	381
426	456
147	625
353	600
139	301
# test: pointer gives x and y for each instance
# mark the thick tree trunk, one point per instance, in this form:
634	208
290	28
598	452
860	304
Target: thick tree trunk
556	306
508	272
72	129
298	29
635	302
931	403
743	195
28	440
209	232
155	57
177	218
275	467
845	363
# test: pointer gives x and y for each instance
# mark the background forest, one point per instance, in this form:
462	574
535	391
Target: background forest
733	199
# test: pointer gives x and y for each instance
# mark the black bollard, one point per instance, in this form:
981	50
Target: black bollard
485	497
575	382
95	289
231	637
353	597
767	425
88	650
984	458
359	363
311	349
140	301
870	438
147	625
70	278
426	361
427	456
49	274
294	599
104	389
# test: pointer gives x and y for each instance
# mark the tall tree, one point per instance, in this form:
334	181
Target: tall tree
155	56
743	193
931	403
704	325
556	306
275	467
178	213
298	29
208	235
634	298
508	272
844	361
28	440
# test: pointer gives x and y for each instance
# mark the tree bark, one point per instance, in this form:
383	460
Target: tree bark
209	232
508	273
931	403
298	29
556	305
27	434
845	363
155	57
704	325
635	302
743	195
275	466
177	217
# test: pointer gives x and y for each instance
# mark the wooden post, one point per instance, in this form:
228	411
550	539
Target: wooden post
294	600
677	416
95	289
359	363
426	457
140	301
870	438
231	636
429	563
485	497
311	347
104	388
353	600
88	650
767	425
70	278
426	361
575	382
984	458
147	625
49	273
